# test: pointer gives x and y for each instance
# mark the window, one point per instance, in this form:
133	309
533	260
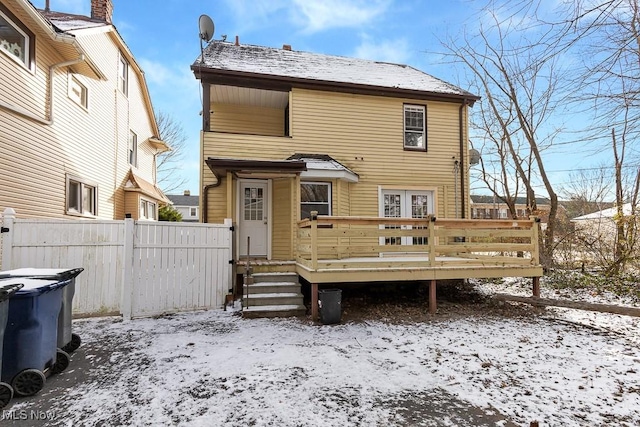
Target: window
147	210
81	197
123	75
15	40
414	127
78	91
133	149
193	212
315	196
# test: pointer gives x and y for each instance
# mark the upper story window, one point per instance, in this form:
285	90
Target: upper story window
123	75
82	197
133	149
78	92
315	196
16	40
415	135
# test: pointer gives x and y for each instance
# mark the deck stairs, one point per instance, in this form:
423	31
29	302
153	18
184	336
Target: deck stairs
272	294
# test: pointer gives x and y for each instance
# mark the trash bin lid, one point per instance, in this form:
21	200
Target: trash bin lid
43	273
33	287
6	291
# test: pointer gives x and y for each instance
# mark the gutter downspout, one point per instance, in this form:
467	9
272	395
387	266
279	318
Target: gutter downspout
205	196
48	121
463	204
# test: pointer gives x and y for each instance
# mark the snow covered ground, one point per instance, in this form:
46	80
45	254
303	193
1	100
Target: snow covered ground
560	367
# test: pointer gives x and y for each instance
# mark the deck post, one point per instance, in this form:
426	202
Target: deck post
432	241
432	297
314	240
314	301
536	287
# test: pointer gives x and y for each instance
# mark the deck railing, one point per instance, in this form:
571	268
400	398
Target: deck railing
429	242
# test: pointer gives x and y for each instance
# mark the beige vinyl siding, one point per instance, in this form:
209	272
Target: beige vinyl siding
247	119
90	144
281	224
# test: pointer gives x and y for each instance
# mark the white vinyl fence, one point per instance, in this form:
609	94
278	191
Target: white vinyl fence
136	268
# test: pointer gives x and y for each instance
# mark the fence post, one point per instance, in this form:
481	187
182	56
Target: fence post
8	217
127	269
314	240
228	223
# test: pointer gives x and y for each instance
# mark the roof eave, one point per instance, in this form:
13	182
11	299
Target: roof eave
275	82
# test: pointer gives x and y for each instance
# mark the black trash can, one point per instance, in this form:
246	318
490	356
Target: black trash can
330	305
6	292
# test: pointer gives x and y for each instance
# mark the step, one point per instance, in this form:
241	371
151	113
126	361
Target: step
284	310
275	277
272	287
288	298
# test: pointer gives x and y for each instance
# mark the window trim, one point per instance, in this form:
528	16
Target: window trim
123	74
423	107
193	211
30	42
84	100
132	149
330	194
83	183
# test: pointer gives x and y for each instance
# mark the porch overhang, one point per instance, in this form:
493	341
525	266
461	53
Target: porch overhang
254	168
140	185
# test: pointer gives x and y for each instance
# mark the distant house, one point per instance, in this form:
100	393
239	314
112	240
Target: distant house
490	207
78	135
602	224
187	205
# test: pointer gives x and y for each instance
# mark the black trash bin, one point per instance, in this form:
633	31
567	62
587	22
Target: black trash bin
330	305
6	292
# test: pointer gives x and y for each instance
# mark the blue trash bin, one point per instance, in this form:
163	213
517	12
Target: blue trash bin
67	340
6	292
31	335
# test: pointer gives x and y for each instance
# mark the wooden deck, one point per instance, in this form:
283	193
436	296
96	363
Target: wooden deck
357	249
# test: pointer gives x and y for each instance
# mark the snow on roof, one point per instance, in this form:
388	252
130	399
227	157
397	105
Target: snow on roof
605	213
324	166
69	22
325	68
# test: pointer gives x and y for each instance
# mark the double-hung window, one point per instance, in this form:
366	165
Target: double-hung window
78	92
123	75
82	197
315	196
133	149
415	133
147	210
15	39
193	212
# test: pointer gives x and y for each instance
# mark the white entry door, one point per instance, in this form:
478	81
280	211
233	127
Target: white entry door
254	204
406	204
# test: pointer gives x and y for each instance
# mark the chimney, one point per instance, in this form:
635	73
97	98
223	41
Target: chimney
187	192
46	6
102	10
237	41
286	47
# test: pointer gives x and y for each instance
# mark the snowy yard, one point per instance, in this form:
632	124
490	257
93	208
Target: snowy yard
560	367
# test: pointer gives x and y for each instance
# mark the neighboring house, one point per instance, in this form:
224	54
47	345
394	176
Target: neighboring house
187	205
490	207
288	132
601	225
78	135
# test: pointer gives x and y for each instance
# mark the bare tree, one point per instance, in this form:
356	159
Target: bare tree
168	165
519	82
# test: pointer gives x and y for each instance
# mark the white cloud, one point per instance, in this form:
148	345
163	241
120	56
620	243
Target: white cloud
395	50
321	15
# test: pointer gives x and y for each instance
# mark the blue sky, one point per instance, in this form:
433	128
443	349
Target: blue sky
163	36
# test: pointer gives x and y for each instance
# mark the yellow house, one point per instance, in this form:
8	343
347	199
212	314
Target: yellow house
78	136
320	158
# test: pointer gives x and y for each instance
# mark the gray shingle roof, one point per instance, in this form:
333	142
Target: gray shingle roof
181	200
293	64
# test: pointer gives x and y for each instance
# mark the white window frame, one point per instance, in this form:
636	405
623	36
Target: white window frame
330	195
132	149
78	91
146	213
79	204
123	75
415	130
5	47
193	212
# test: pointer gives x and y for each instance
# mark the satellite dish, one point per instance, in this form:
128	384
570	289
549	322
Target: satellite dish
474	157
206	28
